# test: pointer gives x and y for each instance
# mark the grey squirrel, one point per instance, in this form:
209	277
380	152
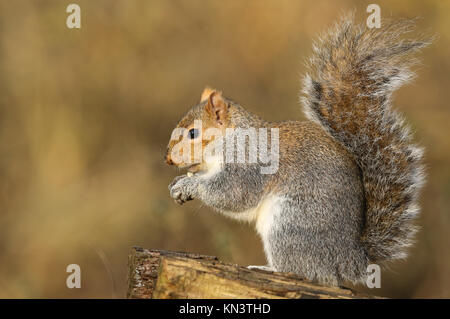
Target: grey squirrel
346	190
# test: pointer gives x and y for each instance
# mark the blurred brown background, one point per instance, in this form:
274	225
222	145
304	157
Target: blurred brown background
85	116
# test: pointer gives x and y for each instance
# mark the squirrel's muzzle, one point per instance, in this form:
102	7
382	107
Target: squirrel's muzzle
169	159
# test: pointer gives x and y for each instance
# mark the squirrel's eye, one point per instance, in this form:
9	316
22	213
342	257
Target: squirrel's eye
193	133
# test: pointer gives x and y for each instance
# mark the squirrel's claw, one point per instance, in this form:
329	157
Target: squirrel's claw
181	198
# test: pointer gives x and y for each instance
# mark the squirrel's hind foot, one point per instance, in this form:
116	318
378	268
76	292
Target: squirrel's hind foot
265	268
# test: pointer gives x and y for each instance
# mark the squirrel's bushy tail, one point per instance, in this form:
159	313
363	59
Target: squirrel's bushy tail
354	71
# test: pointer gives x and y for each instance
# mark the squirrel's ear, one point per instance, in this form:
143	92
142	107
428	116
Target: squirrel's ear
217	107
206	93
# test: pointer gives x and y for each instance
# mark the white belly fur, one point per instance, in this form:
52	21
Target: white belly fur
263	217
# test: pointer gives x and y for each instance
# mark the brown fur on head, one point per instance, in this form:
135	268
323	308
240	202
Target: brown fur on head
211	112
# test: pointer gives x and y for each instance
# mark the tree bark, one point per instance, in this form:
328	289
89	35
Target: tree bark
167	274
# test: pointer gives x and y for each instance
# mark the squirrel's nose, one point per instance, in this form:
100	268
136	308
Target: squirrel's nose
169	160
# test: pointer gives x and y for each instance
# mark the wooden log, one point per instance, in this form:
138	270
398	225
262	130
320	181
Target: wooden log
167	274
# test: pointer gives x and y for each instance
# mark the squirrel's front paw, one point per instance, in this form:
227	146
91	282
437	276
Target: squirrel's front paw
182	189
